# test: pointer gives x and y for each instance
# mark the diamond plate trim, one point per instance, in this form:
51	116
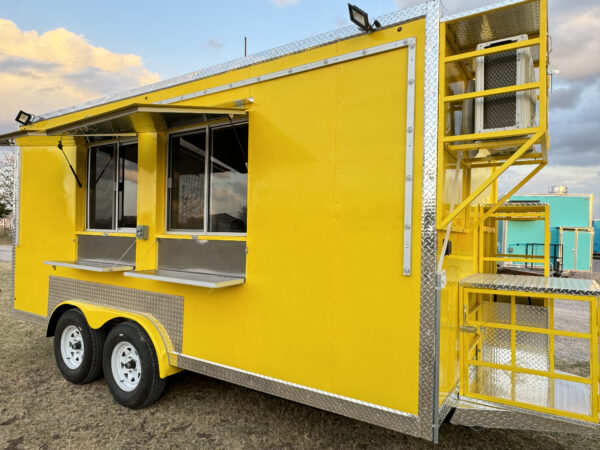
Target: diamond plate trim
356	409
428	307
502	20
29	317
165	311
268	55
471	412
448	404
513	204
15	224
477	11
526	283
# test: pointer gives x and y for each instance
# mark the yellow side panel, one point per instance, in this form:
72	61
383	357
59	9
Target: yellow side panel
47	221
325	303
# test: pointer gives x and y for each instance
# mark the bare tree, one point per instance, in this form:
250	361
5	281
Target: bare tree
7	184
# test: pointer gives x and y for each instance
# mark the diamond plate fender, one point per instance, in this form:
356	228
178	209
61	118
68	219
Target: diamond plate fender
160	314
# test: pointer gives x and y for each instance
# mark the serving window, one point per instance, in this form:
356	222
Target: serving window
208	179
112	186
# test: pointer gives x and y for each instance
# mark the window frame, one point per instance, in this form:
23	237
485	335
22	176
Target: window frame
115	218
206	127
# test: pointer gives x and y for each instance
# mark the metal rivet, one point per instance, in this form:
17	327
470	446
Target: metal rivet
411	81
408	178
290	71
410	129
364	52
325	62
399	29
407	226
412	46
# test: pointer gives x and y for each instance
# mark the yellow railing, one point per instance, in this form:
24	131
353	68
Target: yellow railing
523	140
508	212
508	352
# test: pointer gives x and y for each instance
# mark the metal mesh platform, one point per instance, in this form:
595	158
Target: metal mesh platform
515	205
524	283
530	389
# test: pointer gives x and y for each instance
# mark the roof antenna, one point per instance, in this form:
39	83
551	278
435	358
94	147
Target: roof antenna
245	46
60	147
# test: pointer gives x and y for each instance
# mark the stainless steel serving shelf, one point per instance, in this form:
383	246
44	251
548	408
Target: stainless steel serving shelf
188	278
91	266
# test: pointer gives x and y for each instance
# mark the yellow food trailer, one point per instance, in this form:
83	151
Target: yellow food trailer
317	222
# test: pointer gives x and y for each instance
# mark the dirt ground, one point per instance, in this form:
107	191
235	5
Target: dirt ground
39	409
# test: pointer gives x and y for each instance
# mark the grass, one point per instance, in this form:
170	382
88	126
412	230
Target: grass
5	238
39	409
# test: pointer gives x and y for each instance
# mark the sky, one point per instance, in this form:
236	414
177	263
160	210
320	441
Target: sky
59	53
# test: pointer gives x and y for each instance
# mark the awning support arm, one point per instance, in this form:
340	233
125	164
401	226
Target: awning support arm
60	146
237	138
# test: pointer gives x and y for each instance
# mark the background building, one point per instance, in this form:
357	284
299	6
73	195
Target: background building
571	230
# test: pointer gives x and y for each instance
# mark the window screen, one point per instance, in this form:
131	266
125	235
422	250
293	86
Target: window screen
112	186
229	179
101	185
187	173
128	179
208	179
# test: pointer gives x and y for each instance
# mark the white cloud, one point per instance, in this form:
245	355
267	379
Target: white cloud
281	3
576	43
43	72
213	44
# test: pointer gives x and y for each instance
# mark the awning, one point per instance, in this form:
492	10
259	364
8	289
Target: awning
128	120
139	118
8	138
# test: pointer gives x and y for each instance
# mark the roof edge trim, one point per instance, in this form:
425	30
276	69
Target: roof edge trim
319	40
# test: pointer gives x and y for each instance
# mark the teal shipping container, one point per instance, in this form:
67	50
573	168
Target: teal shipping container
571	231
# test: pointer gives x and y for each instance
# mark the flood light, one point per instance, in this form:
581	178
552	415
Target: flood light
361	18
24	118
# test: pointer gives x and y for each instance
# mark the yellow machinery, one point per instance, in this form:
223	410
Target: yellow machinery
317	222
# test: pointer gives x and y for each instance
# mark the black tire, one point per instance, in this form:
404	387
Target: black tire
130	337
90	362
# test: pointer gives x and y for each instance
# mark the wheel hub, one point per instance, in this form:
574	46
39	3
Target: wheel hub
71	347
126	366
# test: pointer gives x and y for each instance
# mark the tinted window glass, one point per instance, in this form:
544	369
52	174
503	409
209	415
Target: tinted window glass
101	186
187	158
229	179
128	176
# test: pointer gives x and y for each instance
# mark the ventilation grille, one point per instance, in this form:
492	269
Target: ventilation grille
500	70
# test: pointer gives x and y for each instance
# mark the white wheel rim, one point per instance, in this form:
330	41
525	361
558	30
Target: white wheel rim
126	366
71	347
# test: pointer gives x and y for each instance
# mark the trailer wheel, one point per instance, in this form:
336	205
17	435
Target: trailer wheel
77	348
131	367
